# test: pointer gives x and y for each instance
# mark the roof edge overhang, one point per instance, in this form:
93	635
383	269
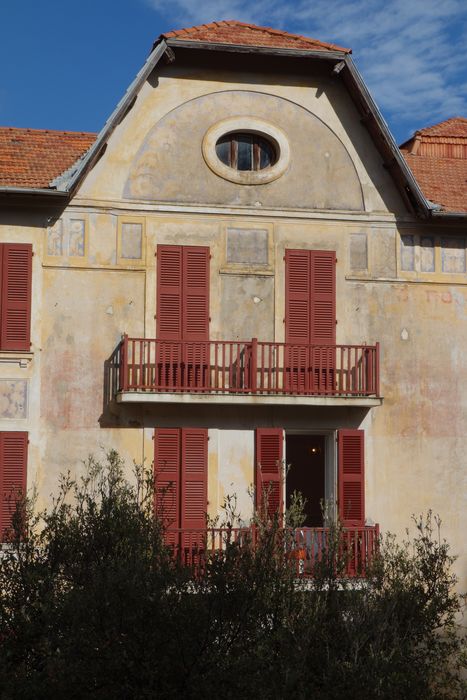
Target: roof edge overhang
443	214
247	48
34	191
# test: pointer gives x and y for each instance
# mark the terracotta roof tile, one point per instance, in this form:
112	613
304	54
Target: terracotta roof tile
243	34
437	156
34	157
454	127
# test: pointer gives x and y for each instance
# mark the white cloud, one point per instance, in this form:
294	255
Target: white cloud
410	52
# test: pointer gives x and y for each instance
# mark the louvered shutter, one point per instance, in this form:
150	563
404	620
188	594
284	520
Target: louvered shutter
323	297
169	315
16	269
13	465
195	293
167	479
194	478
269	471
323	320
195	315
351	478
297	296
169	292
297	319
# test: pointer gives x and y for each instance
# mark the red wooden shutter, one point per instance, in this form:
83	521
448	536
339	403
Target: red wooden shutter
297	296
167	479
16	272
323	297
195	293
310	297
268	463
169	292
297	319
351	478
13	465
194	478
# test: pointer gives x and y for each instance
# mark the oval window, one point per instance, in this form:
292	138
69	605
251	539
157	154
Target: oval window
246	151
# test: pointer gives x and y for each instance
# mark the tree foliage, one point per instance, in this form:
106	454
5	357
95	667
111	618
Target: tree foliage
93	604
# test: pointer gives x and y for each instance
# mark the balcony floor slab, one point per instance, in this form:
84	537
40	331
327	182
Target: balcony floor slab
147	397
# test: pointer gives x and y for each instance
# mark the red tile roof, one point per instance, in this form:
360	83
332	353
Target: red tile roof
242	34
34	157
454	127
443	180
437	156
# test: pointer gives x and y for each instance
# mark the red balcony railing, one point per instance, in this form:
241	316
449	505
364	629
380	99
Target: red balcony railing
353	549
244	367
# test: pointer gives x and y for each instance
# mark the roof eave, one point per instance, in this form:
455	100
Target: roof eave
442	214
247	48
37	191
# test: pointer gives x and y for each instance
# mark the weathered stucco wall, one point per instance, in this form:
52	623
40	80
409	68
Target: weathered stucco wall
94	278
155	153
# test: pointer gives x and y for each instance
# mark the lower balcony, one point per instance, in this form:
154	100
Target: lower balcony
222	371
305	549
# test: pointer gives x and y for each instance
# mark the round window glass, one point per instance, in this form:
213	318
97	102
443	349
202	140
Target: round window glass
246	151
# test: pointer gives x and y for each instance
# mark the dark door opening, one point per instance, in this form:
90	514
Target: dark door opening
305	459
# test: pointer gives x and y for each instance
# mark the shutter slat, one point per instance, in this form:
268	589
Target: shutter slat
268	466
351	477
16	296
13	468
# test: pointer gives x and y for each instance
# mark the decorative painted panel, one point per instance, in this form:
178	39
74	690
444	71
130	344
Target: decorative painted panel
131	241
247	246
453	255
13	398
76	237
358	251
407	253
67	237
427	254
55	239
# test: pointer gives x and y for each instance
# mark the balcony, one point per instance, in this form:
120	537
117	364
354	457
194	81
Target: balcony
222	371
304	548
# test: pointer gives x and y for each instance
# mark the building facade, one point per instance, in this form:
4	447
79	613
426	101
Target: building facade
241	281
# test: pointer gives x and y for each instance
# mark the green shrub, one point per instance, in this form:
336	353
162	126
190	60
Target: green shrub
92	604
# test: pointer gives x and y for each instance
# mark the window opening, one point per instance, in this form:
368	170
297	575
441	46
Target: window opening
246	151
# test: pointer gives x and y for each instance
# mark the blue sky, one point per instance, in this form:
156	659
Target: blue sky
66	63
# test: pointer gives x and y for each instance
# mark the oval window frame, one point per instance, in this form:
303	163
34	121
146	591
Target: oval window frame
247	125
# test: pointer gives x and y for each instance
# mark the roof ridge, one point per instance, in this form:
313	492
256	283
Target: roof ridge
46	131
445	122
254	27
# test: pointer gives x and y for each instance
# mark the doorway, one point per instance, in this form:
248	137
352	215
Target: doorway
306	472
